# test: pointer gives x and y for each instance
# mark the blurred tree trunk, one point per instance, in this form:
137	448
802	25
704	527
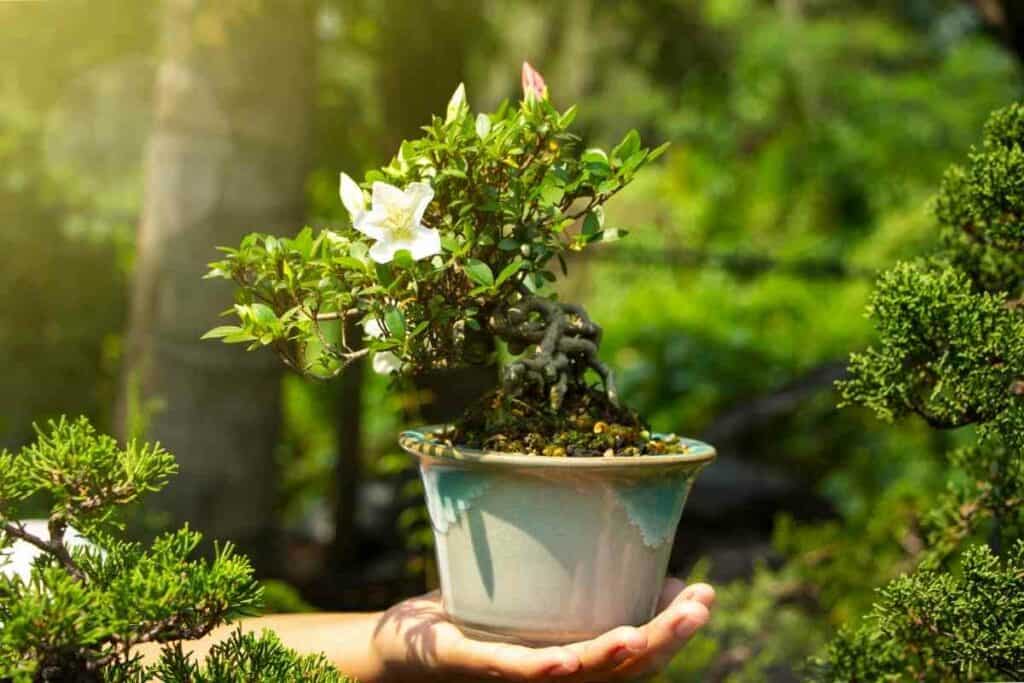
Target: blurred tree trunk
1005	19
227	156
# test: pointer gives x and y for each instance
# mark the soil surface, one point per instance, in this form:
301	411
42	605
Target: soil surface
587	424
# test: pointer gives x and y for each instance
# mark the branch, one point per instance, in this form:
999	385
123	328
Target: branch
55	546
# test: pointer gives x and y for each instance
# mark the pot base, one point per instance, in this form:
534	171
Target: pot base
525	638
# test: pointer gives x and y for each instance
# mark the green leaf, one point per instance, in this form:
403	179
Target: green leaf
403	259
263	314
658	151
508	271
479	272
551	192
222	331
395	320
508	244
595	156
239	338
349	263
384	274
566	119
627	148
591	224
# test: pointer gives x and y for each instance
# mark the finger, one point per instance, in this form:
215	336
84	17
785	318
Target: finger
672	588
512	662
668	632
609	649
699	592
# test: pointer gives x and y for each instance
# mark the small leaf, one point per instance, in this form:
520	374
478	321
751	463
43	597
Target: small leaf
566	119
395	321
591	224
403	259
658	151
239	338
263	314
508	271
479	272
449	243
221	332
508	244
349	263
627	148
384	274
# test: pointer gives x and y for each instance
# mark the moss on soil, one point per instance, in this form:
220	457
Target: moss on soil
586	425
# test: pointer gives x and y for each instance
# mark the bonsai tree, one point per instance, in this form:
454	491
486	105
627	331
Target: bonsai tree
950	350
452	246
83	608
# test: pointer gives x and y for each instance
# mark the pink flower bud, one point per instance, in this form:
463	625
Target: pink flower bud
534	87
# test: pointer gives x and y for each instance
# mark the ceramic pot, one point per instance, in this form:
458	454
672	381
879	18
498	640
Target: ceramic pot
544	550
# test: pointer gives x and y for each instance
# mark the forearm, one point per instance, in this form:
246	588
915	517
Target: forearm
346	639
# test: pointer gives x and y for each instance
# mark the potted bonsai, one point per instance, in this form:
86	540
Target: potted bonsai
77	602
554	507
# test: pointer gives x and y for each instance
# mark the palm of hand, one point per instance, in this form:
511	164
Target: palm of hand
417	642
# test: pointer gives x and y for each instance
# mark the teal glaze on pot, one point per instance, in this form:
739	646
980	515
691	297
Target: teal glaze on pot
551	550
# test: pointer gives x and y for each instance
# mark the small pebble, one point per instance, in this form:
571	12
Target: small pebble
600	427
610	453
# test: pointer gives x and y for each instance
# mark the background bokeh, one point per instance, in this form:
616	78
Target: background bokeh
808	137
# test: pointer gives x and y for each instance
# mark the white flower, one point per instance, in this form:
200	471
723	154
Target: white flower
384	362
456	103
483	125
352	197
395	221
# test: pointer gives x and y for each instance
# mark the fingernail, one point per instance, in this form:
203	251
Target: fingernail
621	655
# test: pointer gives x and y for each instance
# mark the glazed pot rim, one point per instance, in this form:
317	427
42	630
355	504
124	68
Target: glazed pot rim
418	442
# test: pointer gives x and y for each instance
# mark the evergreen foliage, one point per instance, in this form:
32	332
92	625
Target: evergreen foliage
84	609
951	350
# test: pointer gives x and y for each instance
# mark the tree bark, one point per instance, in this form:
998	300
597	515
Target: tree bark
227	156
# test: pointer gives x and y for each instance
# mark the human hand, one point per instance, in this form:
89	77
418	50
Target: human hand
415	641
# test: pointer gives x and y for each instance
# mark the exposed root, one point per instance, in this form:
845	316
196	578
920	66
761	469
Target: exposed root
565	344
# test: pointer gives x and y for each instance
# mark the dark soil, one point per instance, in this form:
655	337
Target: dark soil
587	424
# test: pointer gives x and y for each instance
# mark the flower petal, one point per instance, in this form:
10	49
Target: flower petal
385	362
456	103
385	194
425	242
419	196
384	250
372	328
352	197
370	224
483	125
